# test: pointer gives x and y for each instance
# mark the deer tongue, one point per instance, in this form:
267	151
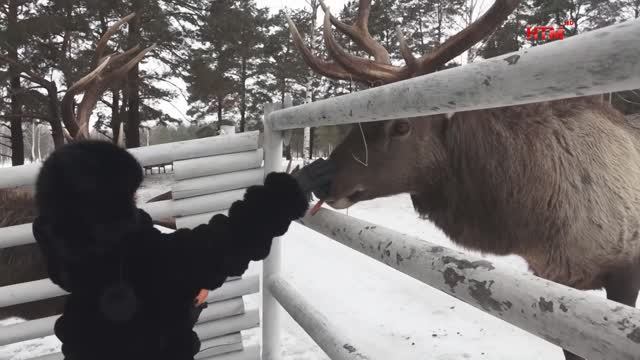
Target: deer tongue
316	207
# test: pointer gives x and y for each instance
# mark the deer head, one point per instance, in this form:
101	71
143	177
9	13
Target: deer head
389	157
109	72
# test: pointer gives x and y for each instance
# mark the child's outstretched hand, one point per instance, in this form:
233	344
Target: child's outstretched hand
266	212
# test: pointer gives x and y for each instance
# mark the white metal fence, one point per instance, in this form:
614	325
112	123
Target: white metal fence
589	64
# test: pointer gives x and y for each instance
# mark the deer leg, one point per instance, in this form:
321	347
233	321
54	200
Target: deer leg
623	286
571	356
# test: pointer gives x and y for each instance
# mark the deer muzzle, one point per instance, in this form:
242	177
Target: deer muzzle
353	196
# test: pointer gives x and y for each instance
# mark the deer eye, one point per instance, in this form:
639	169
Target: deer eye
400	128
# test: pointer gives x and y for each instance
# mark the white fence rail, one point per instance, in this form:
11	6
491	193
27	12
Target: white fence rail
593	63
25	175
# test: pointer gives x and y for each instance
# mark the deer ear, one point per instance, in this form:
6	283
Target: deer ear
400	128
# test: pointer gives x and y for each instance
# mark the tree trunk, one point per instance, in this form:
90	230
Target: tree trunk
132	128
115	115
220	101
243	93
33	140
17	140
306	143
57	133
312	133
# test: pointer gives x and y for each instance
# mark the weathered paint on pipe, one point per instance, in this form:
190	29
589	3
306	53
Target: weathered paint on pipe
595	62
271	311
214	165
217	183
25	175
337	345
228	325
590	326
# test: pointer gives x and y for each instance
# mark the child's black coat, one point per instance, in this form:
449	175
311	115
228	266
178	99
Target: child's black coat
163	271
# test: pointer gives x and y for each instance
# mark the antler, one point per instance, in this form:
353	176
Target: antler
346	66
109	69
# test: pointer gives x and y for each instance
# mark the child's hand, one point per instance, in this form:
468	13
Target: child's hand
315	177
266	212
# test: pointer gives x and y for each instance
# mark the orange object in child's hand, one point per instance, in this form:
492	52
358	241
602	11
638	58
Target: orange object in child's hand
202	297
316	208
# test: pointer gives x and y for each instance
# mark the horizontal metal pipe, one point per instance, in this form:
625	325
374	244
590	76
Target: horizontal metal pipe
34	329
45	289
320	328
222	309
189	149
52	356
29	291
193	205
189	222
595	62
249	353
151	155
214	165
206	185
16	235
228	325
220	341
27	330
206	203
231	289
211	351
587	325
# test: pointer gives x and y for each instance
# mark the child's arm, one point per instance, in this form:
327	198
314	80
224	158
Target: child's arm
206	255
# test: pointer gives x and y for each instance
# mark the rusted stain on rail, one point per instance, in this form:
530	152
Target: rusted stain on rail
465	264
481	292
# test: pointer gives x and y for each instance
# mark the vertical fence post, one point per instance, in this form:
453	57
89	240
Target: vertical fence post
271	311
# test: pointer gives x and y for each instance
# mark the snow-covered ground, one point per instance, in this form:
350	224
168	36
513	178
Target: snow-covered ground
384	313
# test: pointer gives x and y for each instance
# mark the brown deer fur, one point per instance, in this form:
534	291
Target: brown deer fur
557	183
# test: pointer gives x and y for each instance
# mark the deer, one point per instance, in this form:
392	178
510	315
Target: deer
557	183
17	206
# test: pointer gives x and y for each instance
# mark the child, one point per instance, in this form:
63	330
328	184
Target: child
132	288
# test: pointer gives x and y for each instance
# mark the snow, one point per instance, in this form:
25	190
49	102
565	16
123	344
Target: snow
385	314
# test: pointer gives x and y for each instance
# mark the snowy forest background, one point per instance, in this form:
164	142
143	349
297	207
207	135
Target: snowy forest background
224	58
